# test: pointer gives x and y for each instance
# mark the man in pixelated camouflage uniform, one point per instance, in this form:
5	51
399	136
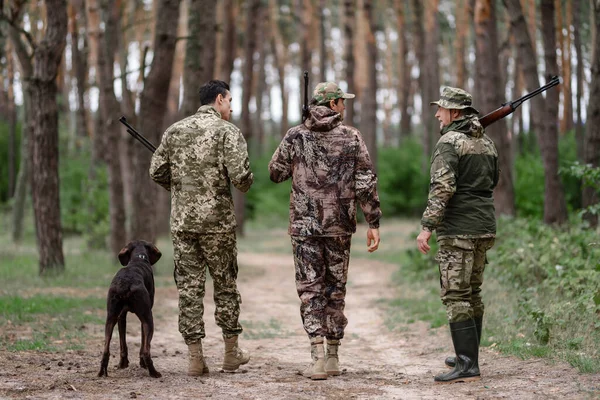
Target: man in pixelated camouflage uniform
197	160
460	208
331	170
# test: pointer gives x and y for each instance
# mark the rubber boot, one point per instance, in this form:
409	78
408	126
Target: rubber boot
197	364
234	356
466	347
332	362
316	369
451	361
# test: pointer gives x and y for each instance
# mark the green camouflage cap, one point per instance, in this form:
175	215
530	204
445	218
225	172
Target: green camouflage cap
455	98
327	91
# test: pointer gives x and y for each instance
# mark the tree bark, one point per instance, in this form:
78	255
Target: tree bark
280	55
229	52
23	177
462	28
199	52
153	104
322	42
12	121
80	68
44	144
369	112
592	137
403	70
349	24
488	74
555	207
579	128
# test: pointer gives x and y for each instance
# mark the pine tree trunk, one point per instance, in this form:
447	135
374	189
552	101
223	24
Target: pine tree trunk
44	144
488	70
80	68
23	178
592	137
403	69
555	207
579	128
368	123
280	55
153	104
229	52
12	122
349	29
462	28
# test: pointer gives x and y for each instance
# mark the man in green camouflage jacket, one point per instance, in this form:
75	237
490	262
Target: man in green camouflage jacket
460	208
331	172
197	160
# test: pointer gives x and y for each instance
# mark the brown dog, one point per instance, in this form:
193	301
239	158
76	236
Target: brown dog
132	290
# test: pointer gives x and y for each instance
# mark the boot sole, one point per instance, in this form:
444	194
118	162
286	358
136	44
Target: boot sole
318	377
334	373
233	368
467	379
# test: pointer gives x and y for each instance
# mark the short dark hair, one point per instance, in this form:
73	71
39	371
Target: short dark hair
314	102
210	90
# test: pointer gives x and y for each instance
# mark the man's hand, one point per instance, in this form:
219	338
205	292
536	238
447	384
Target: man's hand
423	241
373	240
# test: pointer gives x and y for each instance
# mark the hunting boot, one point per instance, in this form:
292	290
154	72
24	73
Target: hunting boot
197	365
466	347
332	362
316	369
234	356
451	361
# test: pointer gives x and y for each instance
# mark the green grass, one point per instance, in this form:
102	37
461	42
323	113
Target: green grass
263	330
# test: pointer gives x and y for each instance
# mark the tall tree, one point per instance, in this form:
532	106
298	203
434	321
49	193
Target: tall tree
349	28
403	68
47	57
555	206
488	74
80	66
368	123
280	55
12	121
250	46
579	128
592	137
229	47
199	52
323	34
462	28
153	103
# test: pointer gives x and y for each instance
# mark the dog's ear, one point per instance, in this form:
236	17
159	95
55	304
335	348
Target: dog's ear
125	255
154	253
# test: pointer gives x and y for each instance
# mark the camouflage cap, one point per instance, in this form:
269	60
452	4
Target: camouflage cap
455	98
326	91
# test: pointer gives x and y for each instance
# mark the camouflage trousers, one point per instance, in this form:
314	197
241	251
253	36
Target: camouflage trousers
462	262
321	275
193	253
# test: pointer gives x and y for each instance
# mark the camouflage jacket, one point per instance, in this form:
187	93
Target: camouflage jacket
197	160
331	171
464	173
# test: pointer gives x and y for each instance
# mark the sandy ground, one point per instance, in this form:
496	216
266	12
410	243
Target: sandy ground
377	363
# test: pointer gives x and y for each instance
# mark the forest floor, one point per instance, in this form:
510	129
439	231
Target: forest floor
378	363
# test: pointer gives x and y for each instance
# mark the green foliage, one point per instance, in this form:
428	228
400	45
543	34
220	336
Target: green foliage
589	176
541	289
4	151
403	182
529	178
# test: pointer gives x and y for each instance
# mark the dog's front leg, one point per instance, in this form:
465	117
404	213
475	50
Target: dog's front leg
124	362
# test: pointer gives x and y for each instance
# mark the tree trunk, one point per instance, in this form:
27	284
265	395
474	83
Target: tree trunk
567	121
462	28
153	104
44	144
80	68
592	137
368	123
261	91
403	70
23	178
12	122
349	26
280	55
579	128
488	73
322	42
250	45
555	207
199	52
229	52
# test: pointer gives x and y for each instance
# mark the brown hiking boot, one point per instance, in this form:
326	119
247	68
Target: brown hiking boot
197	365
316	369
332	363
234	356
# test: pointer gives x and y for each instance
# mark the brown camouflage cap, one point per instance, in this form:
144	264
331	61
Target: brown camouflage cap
455	98
327	91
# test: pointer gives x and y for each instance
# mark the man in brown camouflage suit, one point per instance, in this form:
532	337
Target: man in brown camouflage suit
460	208
197	160
331	171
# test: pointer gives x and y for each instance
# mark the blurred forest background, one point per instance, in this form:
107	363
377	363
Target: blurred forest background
70	69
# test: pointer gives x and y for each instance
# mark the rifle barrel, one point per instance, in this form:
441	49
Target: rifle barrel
131	130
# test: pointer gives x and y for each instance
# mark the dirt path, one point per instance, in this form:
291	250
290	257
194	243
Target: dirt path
377	363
